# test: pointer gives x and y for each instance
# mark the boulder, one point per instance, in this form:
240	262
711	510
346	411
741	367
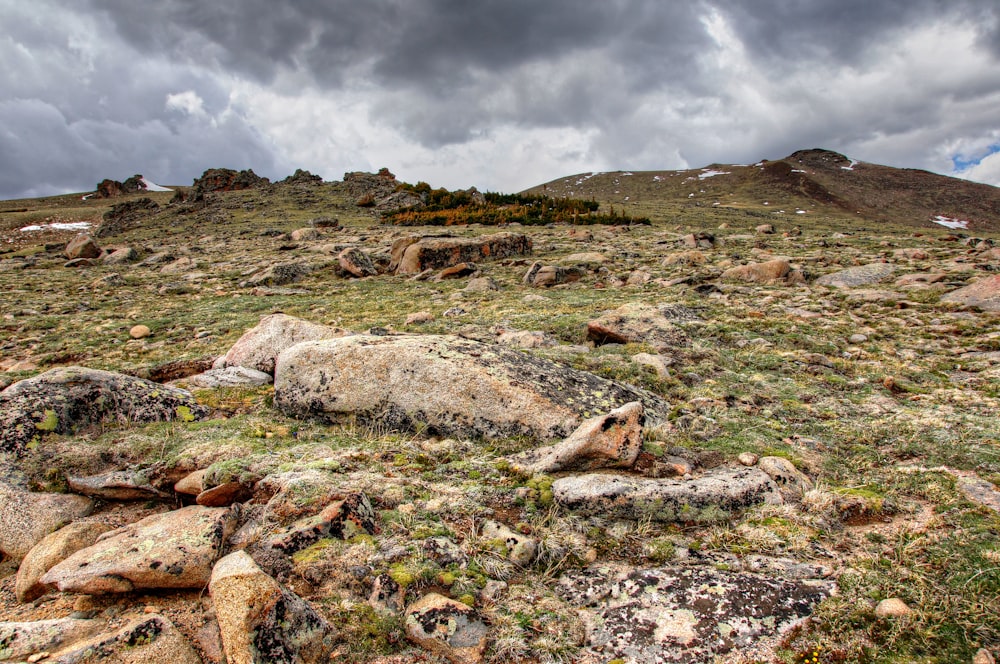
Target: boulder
791	482
234	376
27	517
305	234
613	440
151	638
762	273
515	547
117	485
68	399
119	256
447	628
859	275
543	276
82	246
711	497
125	216
984	294
54	548
260	345
261	621
439	253
637	323
20	640
685	614
171	550
356	263
277	275
341	519
446	384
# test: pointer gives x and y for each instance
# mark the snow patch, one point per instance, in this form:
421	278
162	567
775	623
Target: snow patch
949	222
657	178
58	226
800	212
707	173
854	163
798	170
152	186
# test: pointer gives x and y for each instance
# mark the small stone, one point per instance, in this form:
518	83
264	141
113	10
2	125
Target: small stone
983	656
790	480
892	608
419	317
448	628
857	338
747	458
519	549
139	332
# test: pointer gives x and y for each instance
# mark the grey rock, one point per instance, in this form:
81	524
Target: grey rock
19	640
447	384
519	549
233	376
260	345
637	323
356	263
152	638
67	399
711	497
27	517
859	275
116	485
277	275
792	482
82	246
447	628
540	276
119	256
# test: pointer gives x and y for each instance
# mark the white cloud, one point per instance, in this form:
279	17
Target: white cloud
188	101
986	171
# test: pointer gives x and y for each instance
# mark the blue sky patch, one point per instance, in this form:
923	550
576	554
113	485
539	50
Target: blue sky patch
961	162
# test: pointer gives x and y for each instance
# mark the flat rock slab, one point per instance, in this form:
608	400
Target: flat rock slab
149	639
437	253
685	614
20	640
171	550
27	517
341	519
445	384
117	485
859	275
711	497
68	399
260	345
637	323
984	294
53	549
230	377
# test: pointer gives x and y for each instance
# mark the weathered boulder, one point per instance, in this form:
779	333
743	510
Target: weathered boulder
613	440
516	547
684	614
260	345
172	550
711	497
341	519
68	399
791	482
356	263
447	384
638	323
233	376
447	628
119	256
277	275
543	276
778	270
54	548
20	640
27	517
117	485
82	246
442	252
984	294
306	234
151	638
859	275
261	621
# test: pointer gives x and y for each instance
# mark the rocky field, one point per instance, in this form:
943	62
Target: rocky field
257	425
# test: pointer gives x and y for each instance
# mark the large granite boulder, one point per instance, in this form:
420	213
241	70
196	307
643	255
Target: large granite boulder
984	294
442	252
26	517
152	638
53	549
641	323
20	640
68	399
260	345
859	275
445	384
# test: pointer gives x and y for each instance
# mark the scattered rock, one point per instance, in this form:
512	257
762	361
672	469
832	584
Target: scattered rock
859	275
117	485
515	547
778	270
356	263
233	376
260	621
67	399
748	458
892	608
543	276
447	384
172	550
277	275
27	517
419	317
20	640
792	483
139	332
447	628
305	234
54	548
911	253
711	497
439	253
984	294
119	256
693	257
481	285
858	338
152	638
125	216
225	494
585	258
260	345
656	362
637	323
606	441
456	271
82	246
685	614
79	262
525	339
765	229
192	484
342	519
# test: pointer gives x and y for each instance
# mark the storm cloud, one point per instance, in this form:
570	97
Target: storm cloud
500	94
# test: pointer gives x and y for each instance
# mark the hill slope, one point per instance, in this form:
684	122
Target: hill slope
807	181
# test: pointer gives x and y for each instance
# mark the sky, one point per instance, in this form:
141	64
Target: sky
497	94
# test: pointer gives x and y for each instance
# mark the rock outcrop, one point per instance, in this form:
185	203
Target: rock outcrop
640	323
446	384
859	275
68	399
125	216
984	294
260	345
441	252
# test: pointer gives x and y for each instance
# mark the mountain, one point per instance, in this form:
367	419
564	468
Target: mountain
806	182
